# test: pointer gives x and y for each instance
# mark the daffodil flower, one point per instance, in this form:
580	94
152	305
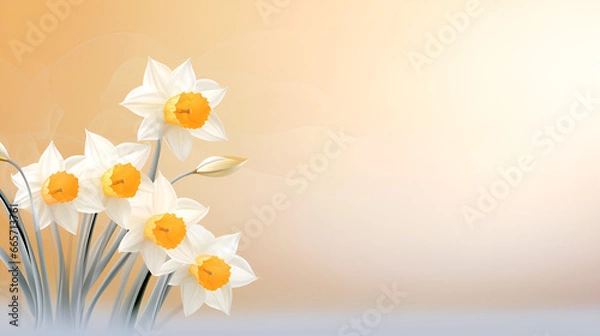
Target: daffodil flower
208	271
115	174
58	194
176	106
160	222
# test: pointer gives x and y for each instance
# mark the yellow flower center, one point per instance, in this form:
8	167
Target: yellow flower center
166	230
211	272
60	187
188	109
121	180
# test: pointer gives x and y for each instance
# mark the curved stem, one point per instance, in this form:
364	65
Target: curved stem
29	261
182	176
45	301
109	278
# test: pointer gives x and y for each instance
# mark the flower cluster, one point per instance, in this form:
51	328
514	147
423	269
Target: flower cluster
162	227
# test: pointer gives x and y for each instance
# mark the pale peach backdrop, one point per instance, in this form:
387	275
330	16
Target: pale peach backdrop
389	208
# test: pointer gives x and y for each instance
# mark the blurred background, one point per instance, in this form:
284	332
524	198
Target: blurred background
447	150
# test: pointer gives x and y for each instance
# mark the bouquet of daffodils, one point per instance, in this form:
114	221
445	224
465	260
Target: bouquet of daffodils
146	216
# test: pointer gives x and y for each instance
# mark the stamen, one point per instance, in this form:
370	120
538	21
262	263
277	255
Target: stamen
56	191
121	181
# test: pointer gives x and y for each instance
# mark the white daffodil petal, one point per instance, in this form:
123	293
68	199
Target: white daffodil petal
141	207
32	172
144	102
43	213
51	161
132	241
190	211
118	209
212	130
19	181
199	237
3	152
206	84
214	97
133	153
183	78
183	253
179	276
192	297
225	246
220	299
65	215
179	140
98	149
164	198
157	76
22	199
241	273
169	267
87	200
78	166
151	128
154	257
146	184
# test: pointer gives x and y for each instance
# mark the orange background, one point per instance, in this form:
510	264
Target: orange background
388	209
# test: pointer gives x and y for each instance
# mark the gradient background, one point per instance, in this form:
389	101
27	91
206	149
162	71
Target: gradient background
389	210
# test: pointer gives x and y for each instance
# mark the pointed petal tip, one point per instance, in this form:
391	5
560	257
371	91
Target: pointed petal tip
3	153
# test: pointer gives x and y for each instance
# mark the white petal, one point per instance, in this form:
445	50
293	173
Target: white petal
164	198
241	272
190	211
169	267
179	276
192	297
214	97
132	241
183	78
78	166
183	253
88	200
43	213
220	299
157	76
154	256
225	246
179	140
212	130
206	84
145	102
32	174
119	210
65	215
133	153
199	238
3	152
146	184
151	128
98	149
51	161
22	199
